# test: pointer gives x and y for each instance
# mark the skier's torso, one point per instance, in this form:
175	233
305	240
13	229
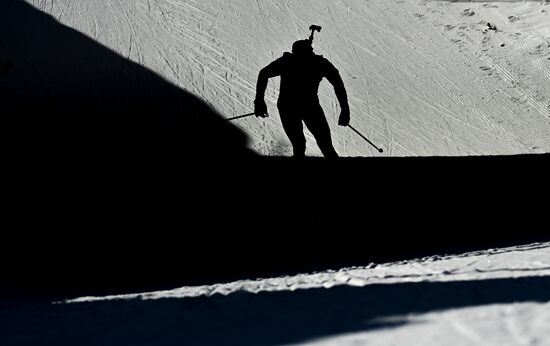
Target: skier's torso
300	79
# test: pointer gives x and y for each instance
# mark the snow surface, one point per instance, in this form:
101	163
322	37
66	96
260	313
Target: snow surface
425	77
490	297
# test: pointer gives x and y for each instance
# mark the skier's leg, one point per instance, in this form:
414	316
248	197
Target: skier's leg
317	124
292	124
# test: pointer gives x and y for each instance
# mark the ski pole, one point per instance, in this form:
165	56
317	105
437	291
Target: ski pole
380	150
241	116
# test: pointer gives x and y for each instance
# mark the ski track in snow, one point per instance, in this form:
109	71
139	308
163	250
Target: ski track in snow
424	77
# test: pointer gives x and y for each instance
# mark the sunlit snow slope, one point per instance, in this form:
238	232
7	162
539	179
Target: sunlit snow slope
425	77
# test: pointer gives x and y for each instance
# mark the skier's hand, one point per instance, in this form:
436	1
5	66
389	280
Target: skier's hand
344	117
260	109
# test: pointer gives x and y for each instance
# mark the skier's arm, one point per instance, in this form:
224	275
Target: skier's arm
333	76
272	70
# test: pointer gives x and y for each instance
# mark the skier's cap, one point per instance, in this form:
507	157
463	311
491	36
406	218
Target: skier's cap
301	47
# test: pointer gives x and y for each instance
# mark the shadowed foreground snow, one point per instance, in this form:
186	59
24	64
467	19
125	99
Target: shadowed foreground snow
491	297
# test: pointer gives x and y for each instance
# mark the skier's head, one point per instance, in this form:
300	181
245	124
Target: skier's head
302	48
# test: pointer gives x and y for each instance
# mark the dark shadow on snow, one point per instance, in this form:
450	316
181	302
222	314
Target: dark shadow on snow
66	99
86	132
117	180
265	223
266	319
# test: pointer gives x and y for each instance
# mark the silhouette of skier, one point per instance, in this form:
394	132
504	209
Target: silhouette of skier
301	73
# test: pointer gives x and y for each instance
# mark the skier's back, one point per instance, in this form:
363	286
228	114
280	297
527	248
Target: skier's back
301	73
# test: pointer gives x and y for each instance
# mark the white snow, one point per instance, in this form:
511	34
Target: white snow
513	262
425	77
514	324
490	297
